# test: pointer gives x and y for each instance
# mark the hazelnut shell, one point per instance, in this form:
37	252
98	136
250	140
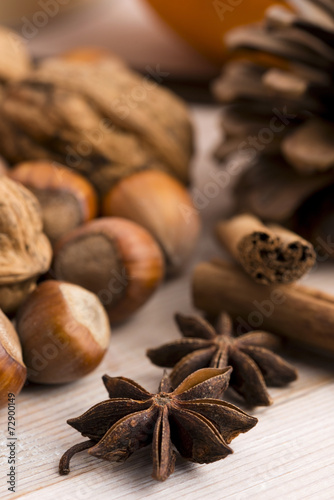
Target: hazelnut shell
116	259
67	199
12	369
64	332
162	205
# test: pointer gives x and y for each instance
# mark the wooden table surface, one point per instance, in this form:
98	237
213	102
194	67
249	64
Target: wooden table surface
289	454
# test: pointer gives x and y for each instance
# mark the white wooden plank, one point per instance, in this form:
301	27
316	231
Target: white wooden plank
288	454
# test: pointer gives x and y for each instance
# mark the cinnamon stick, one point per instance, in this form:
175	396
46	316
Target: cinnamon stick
292	311
269	254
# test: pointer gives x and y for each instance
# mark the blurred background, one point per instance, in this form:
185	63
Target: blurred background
184	40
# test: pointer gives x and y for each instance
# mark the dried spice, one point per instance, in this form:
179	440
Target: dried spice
297	312
279	116
189	418
268	253
254	365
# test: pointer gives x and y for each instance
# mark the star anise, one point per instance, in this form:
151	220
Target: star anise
254	365
189	418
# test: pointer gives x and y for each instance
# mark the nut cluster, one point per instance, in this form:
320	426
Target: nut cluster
94	209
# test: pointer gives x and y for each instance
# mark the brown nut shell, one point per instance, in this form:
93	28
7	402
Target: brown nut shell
12	369
116	259
162	205
67	199
64	332
25	250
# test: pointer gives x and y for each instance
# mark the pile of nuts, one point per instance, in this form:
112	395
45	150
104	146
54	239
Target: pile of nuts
87	244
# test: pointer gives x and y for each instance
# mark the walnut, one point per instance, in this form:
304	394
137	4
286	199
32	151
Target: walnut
25	252
95	115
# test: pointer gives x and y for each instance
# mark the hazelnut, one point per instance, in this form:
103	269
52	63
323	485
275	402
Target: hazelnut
64	332
12	369
66	198
161	204
114	258
25	250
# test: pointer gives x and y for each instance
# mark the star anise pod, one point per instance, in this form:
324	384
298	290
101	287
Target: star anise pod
189	418
254	365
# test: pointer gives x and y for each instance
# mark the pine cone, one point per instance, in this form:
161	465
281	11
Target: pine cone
279	116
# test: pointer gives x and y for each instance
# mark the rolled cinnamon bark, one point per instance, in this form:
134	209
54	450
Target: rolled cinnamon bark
292	311
269	254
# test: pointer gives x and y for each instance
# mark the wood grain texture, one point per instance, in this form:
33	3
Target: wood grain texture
289	454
